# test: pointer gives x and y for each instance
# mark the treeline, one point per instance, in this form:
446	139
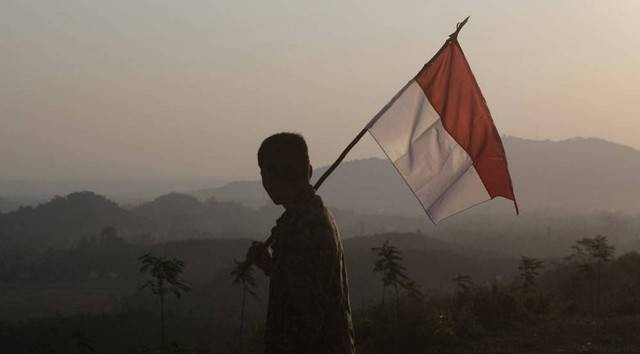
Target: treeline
588	302
100	270
572	304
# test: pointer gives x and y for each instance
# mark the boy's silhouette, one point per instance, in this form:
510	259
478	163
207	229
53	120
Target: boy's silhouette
309	309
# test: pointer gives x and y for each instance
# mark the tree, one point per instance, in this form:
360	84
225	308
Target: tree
388	264
413	290
393	274
464	284
529	268
243	275
591	254
166	280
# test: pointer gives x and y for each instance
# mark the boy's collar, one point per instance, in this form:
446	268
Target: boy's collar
302	199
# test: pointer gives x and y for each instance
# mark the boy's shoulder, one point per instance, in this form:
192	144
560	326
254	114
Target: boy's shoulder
314	225
315	214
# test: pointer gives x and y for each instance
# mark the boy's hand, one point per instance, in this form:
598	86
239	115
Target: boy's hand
259	254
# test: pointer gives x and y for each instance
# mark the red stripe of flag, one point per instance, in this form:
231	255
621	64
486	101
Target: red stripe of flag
452	90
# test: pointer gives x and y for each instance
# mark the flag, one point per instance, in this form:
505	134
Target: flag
438	133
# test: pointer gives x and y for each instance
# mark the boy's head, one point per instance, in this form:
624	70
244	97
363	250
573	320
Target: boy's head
284	166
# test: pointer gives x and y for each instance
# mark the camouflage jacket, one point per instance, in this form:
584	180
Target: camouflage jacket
309	309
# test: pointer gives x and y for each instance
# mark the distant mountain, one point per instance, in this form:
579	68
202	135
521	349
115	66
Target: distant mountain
366	186
62	221
580	174
567	190
249	193
176	216
577	175
122	191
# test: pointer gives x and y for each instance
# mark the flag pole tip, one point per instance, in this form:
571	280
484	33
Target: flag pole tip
459	26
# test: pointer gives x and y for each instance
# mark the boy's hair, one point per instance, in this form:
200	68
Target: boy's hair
289	151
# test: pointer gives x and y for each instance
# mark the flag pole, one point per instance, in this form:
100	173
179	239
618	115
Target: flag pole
339	159
452	37
459	26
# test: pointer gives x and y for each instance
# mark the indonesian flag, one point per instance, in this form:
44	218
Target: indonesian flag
438	133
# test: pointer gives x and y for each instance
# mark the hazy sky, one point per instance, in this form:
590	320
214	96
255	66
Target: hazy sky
181	89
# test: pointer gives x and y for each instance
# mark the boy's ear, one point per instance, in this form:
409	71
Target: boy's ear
310	171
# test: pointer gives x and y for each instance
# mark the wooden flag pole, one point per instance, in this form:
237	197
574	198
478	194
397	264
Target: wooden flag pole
339	159
459	26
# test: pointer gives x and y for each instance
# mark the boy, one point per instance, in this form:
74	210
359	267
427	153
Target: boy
309	309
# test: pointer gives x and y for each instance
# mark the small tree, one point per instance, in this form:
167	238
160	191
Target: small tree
529	268
393	274
464	284
243	275
388	264
591	254
413	290
166	280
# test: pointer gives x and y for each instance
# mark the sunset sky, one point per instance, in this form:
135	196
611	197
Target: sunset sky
188	89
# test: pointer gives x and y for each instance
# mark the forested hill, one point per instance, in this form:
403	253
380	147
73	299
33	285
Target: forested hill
63	221
577	175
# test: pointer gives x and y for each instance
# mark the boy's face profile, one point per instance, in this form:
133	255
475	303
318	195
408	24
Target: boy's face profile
279	181
275	182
